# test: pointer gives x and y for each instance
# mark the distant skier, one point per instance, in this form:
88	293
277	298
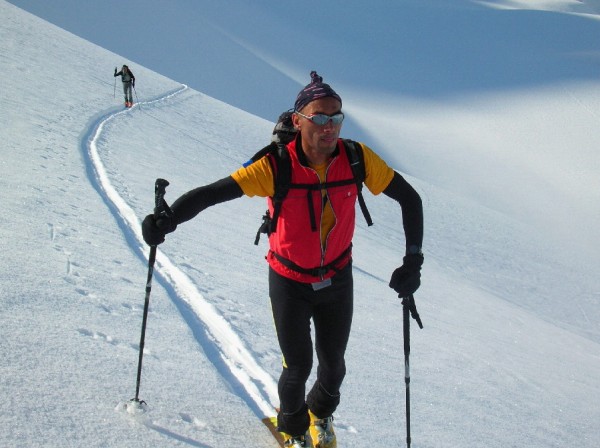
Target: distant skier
128	83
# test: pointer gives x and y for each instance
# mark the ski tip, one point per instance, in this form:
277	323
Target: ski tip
271	424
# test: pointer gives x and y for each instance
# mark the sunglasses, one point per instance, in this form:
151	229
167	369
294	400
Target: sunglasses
323	119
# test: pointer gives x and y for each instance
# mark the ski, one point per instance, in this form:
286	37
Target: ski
271	424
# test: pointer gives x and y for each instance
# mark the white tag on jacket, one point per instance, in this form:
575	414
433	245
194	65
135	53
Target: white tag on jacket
320	285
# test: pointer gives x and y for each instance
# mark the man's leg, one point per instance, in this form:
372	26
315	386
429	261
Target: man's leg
291	313
333	320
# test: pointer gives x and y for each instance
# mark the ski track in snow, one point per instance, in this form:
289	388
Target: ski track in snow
219	341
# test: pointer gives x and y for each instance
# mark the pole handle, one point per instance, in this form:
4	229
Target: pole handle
160	188
161	208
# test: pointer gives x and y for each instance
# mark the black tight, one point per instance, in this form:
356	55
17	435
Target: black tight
294	304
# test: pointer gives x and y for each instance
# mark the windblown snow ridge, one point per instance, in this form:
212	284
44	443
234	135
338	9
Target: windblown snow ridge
231	358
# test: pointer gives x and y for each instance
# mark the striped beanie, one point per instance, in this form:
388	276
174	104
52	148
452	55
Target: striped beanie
315	90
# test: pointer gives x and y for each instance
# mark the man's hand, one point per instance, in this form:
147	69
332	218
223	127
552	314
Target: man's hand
154	229
407	278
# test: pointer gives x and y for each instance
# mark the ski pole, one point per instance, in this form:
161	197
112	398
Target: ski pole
136	97
161	207
409	309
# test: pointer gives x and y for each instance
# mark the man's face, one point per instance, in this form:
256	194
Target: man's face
316	138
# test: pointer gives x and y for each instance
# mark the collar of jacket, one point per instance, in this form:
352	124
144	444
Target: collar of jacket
302	156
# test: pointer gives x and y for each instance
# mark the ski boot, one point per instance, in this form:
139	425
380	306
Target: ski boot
294	442
321	432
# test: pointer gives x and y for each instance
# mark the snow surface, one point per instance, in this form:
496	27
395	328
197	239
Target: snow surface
490	110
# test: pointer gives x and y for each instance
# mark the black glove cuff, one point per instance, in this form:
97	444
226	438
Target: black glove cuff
414	261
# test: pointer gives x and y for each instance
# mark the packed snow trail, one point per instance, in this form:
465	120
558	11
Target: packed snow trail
234	362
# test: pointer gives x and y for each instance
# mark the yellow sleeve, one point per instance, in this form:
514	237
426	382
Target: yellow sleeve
256	179
378	174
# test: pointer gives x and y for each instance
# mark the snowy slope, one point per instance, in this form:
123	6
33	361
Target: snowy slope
451	92
509	355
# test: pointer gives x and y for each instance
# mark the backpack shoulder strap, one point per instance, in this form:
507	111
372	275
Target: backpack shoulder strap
279	159
357	163
282	173
356	158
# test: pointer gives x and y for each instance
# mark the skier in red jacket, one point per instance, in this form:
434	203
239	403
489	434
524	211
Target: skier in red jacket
310	269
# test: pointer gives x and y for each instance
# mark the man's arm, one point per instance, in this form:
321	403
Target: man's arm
412	210
407	278
154	228
193	202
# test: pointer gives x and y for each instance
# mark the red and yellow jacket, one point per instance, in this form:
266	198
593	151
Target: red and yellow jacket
333	208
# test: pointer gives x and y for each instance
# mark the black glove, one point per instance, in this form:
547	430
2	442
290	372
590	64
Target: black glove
407	278
115	71
133	84
155	228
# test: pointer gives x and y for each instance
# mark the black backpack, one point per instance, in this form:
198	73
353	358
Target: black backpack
283	133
